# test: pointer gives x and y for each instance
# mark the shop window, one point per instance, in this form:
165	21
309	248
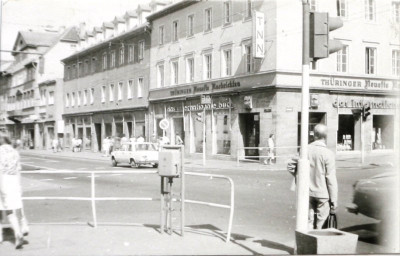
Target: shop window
198	134
315	118
140	129
382	132
108	130
249	125
345	134
223	133
179	130
119	129
88	139
159	130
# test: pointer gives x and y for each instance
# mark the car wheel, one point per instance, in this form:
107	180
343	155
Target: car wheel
133	163
114	162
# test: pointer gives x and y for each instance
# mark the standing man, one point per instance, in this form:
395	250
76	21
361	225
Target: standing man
323	182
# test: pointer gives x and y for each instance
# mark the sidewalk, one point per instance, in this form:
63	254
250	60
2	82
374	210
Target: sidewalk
135	240
342	161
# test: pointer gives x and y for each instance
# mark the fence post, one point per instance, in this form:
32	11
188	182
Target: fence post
93	199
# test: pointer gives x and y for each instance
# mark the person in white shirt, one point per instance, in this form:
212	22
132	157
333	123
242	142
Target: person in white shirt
271	149
140	139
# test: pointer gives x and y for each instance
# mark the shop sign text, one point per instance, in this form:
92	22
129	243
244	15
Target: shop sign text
205	88
201	107
383	104
358	83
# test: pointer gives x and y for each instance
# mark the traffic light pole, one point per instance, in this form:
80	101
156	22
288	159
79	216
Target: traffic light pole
204	137
303	173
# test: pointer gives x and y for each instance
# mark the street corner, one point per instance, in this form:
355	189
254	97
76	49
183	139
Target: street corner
136	240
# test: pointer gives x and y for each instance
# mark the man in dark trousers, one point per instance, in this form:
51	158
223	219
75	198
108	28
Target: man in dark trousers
323	182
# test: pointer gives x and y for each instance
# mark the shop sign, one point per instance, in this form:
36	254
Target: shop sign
201	107
382	104
258	35
360	84
205	99
205	88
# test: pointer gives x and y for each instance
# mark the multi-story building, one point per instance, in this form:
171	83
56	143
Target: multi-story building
203	61
32	85
107	80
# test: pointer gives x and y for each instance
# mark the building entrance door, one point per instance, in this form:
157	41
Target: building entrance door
250	129
314	119
97	127
178	129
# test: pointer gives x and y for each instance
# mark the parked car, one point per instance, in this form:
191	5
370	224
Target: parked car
375	197
136	154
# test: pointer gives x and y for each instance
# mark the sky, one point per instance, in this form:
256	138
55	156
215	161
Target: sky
37	14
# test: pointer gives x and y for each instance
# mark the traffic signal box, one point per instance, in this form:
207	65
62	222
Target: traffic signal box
320	26
365	112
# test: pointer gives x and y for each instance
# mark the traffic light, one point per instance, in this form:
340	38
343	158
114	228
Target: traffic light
320	26
200	117
365	112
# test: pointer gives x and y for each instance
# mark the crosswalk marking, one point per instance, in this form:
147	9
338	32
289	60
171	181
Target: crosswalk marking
70	178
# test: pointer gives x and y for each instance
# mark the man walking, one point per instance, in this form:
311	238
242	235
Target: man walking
323	182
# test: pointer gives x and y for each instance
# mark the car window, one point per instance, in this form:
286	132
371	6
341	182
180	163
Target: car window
145	147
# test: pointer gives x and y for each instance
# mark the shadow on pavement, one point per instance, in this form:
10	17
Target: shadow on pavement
367	233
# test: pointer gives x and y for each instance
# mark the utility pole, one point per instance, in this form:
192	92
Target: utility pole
204	137
1	25
303	173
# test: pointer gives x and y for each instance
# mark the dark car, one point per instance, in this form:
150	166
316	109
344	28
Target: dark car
375	197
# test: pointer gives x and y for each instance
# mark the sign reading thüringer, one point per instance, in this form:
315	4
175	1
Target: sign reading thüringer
258	35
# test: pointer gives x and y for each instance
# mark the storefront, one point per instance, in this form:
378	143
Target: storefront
92	128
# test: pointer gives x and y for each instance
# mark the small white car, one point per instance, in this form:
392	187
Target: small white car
136	154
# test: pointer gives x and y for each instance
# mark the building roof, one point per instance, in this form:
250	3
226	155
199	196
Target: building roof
97	30
132	13
160	2
170	9
71	34
36	38
144	7
108	25
119	19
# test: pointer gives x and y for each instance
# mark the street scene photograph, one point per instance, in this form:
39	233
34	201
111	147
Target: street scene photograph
199	127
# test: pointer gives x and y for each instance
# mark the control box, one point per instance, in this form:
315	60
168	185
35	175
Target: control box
169	163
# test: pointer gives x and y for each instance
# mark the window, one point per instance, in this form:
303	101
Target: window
68	73
370	10
130	53
130	89
227	63
396	62
175	72
78	98
86	67
91	95
161	35
85	97
160	75
175	31
342	8
51	98
104	61
121	56
248	9
189	69
370	60
190	23
93	65
120	91
208	20
73	71
67	101
141	50
80	69
248	58
227	12
313	5
396	11
207	66
140	87
112	61
342	59
111	92
73	99
103	94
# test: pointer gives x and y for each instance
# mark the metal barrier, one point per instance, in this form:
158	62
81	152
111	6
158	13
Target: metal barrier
93	197
244	157
231	206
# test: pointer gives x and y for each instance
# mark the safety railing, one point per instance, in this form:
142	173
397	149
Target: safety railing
231	206
92	198
242	157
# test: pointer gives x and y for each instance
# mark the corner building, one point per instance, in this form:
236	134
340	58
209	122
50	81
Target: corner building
205	50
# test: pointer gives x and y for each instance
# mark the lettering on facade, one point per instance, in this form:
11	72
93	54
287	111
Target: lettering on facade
383	104
205	88
359	83
258	35
201	107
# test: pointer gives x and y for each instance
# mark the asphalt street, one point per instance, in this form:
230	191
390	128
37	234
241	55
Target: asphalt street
264	204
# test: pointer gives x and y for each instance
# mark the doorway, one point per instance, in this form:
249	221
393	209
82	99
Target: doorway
108	130
129	126
249	125
97	127
178	129
314	119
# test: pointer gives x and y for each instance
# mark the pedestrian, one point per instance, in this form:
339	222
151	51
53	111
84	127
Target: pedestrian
79	144
140	139
10	190
165	140
106	146
54	145
271	149
125	143
323	181
178	139
112	143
